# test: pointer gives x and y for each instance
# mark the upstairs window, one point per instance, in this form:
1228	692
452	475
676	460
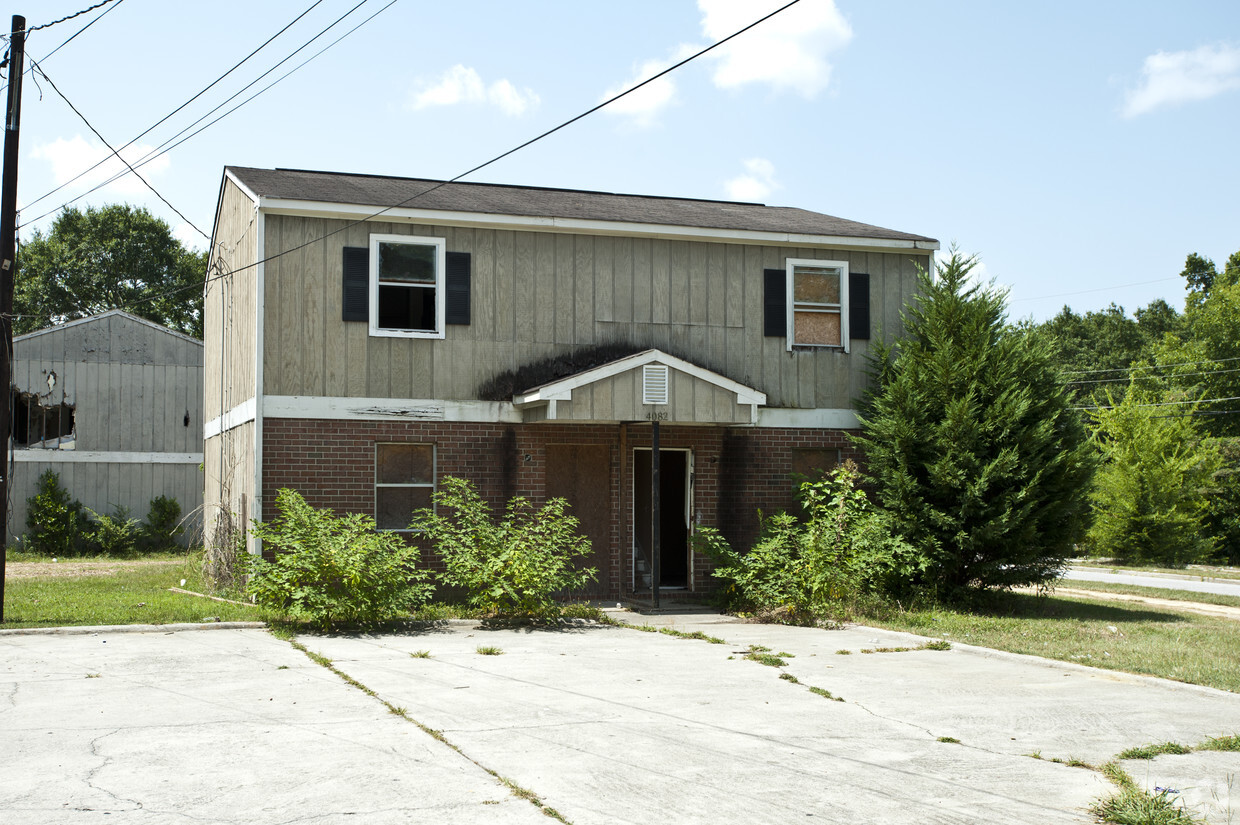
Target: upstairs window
407	286
817	303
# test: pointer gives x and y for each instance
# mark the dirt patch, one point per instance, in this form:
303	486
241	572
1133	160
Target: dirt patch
76	569
1217	610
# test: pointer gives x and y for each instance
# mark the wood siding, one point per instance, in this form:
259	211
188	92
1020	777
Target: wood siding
538	294
230	310
230	326
619	398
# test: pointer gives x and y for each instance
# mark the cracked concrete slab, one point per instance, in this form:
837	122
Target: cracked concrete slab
230	726
604	724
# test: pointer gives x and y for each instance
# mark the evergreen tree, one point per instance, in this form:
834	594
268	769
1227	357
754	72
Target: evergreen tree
972	442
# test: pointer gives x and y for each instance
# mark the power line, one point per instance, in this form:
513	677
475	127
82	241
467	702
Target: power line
1088	291
1158	366
479	167
84	28
1167	403
165	118
165	147
503	155
1176	375
68	17
34	63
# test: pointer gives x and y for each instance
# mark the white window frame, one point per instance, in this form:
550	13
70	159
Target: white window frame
790	266
434	483
441	262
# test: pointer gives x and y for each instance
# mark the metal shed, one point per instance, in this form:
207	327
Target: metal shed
113	404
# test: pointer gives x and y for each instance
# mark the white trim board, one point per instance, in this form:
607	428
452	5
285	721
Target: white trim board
815	419
388	409
102	457
439	217
501	412
243	413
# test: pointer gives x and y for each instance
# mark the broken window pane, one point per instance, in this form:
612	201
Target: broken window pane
394	506
405	463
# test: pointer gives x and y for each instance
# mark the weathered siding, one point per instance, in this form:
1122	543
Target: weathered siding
230	327
537	294
228	470
229	311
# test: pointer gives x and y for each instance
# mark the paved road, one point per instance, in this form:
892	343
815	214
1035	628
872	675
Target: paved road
604	724
1172	581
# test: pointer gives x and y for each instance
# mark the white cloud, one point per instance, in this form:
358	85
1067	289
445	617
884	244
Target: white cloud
75	155
789	51
462	84
1168	78
645	104
188	236
755	184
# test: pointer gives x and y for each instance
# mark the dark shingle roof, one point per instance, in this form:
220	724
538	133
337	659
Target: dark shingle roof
531	201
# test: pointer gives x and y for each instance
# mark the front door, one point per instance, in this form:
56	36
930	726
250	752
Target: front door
581	473
675	508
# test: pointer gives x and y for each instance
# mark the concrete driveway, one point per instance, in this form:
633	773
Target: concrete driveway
602	724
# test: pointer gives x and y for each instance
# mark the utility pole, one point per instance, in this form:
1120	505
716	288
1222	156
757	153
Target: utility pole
8	263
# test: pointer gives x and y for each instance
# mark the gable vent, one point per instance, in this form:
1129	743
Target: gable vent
654	384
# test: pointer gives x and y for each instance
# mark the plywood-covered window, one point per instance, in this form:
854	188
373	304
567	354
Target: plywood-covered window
817	303
407	286
404	482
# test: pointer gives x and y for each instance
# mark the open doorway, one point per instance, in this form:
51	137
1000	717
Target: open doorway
675	507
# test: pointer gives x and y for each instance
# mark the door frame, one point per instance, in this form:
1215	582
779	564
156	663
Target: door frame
686	512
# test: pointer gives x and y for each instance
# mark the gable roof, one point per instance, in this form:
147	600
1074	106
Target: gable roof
376	191
103	316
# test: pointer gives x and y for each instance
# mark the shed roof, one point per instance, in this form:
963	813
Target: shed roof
530	201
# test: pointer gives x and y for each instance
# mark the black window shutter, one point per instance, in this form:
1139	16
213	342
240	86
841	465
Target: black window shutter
456	282
355	299
775	303
859	306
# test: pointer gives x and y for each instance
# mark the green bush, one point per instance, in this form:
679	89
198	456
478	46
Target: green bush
114	535
821	566
162	528
54	522
1152	493
333	570
513	566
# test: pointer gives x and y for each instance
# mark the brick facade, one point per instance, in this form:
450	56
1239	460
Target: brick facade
737	471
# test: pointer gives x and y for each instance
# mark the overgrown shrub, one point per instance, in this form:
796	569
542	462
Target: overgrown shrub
513	566
55	523
1151	496
821	566
114	535
333	570
162	528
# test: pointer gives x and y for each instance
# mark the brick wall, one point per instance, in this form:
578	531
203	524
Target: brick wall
738	471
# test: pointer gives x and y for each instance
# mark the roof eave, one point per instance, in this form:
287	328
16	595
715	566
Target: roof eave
307	208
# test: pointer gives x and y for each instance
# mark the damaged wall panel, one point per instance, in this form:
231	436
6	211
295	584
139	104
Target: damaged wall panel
113	403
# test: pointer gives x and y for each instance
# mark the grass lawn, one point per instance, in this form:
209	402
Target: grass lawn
41	593
1152	592
1153	641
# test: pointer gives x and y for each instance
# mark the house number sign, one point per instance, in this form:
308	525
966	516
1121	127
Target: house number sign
656	416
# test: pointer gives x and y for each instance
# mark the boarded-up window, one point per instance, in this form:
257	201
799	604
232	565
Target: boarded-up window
818	300
404	481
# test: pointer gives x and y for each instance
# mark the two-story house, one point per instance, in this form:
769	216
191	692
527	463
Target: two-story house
367	336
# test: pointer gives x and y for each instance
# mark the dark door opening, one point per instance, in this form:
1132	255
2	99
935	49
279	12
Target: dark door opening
674	518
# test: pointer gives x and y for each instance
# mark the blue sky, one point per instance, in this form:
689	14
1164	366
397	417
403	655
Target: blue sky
1082	150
